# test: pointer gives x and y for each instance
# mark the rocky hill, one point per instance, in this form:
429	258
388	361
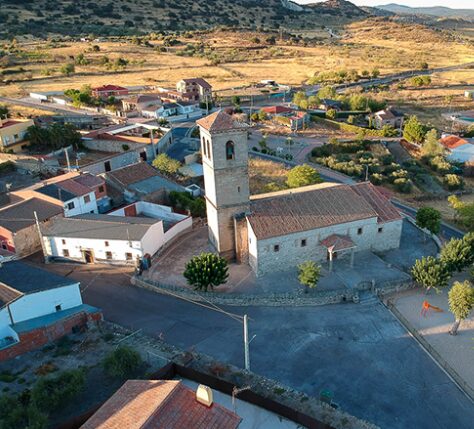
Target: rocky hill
438	11
126	17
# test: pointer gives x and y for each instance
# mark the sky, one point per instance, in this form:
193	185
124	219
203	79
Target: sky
453	4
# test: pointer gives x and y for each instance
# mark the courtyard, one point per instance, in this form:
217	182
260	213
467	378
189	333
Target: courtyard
390	267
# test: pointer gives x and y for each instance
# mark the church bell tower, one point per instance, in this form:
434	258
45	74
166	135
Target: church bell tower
224	151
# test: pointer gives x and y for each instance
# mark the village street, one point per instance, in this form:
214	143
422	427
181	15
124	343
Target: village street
358	351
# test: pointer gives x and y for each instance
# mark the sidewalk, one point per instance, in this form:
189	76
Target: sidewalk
457	351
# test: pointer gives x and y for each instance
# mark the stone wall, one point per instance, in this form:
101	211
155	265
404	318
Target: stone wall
299	298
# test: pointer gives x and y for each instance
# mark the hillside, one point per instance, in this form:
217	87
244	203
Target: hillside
439	11
127	17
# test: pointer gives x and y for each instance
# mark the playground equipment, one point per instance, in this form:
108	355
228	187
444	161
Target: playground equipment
426	306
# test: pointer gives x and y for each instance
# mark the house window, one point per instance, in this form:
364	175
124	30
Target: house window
106	244
359	231
58	307
66	253
108	255
208	149
204	151
63	241
238	188
303	242
87	199
101	189
107	166
229	150
276	248
380	229
128	256
70	205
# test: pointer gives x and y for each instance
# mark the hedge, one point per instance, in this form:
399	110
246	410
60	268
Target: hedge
342	126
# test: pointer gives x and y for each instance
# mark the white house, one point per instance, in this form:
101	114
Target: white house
35	300
124	237
77	198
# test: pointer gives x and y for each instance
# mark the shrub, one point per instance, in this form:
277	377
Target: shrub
403	185
309	273
453	181
303	175
122	362
165	164
51	393
376	179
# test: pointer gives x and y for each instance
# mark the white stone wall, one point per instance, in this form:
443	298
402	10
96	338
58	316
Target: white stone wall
374	236
80	205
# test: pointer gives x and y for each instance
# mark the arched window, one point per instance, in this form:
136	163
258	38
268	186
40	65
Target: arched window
229	150
204	152
208	150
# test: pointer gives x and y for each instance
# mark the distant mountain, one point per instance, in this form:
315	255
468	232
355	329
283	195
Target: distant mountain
125	17
439	11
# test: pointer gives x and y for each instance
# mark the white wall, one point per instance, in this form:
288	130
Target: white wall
54	247
154	239
42	303
5	330
80	206
185	225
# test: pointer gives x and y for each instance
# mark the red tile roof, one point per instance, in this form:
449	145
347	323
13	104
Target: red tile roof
304	210
275	110
199	81
109	88
220	121
9	123
452	142
158	404
132	173
74	187
89	180
335	243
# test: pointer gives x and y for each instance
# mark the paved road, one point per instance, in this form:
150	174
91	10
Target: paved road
447	231
360	352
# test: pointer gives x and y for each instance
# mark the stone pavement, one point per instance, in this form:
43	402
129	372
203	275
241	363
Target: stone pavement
457	351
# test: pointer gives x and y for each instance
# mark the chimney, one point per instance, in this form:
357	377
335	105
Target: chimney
204	395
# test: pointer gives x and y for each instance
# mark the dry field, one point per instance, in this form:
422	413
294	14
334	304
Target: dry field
266	176
242	60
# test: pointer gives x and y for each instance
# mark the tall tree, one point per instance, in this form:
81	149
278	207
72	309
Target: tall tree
429	218
431	145
309	273
206	270
303	175
430	272
413	130
166	164
461	302
457	254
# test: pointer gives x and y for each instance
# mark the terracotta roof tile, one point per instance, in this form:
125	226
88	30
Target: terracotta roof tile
109	88
301	210
199	81
157	404
89	180
452	142
76	188
220	121
133	173
337	242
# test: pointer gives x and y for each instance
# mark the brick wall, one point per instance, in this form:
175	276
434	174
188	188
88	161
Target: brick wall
37	338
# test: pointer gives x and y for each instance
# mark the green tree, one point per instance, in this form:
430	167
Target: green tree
3	111
303	175
431	145
309	273
67	69
375	73
165	164
53	392
327	92
413	130
331	114
236	100
206	270
17	411
430	272
457	254
429	218
461	302
122	362
453	181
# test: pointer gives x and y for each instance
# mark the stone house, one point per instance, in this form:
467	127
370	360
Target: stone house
389	117
279	230
197	89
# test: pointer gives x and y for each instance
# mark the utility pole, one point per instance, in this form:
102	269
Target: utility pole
67	159
246	343
43	247
366	172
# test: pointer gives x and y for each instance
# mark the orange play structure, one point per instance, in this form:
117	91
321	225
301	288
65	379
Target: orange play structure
426	306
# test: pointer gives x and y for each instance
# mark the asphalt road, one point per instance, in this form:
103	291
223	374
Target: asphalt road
447	231
359	352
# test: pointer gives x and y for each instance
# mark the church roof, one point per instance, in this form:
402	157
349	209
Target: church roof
335	242
220	121
277	215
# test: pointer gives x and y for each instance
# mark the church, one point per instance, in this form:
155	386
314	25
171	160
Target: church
279	230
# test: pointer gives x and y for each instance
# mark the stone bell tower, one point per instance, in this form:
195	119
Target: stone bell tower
224	151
